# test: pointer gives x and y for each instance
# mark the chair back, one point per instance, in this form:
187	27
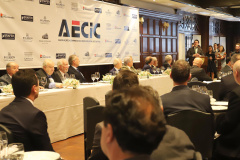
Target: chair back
190	84
8	132
94	115
199	127
215	87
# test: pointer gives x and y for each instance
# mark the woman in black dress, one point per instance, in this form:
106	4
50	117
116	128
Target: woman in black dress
211	69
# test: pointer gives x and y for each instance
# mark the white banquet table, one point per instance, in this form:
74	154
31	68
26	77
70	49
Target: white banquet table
64	107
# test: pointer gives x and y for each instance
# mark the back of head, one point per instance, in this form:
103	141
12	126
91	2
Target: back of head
127	60
180	71
198	62
116	61
136	118
168	58
125	78
235	58
22	82
148	59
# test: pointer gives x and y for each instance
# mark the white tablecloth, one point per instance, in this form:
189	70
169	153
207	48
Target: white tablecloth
64	107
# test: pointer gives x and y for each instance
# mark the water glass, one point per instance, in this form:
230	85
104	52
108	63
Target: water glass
15	151
3	144
158	70
72	76
154	70
97	75
93	77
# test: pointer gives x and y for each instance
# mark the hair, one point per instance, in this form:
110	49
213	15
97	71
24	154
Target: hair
154	93
235	58
71	58
180	71
22	82
116	61
60	63
154	59
9	65
46	62
127	60
148	59
222	47
125	78
210	46
168	57
136	118
228	59
196	40
237	44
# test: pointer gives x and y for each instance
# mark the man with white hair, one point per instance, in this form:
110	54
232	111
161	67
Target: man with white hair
62	69
117	66
198	72
74	63
168	61
228	124
128	64
11	69
47	71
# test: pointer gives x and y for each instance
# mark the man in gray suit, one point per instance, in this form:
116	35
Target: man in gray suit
11	69
61	74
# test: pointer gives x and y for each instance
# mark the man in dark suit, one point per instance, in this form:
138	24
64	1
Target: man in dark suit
48	72
181	97
228	124
27	123
11	69
62	69
228	83
74	62
228	66
237	49
194	52
198	72
117	66
148	64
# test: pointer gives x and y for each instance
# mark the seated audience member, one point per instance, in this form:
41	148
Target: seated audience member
237	49
168	61
129	130
148	64
228	83
47	71
227	67
199	72
11	69
181	97
155	62
27	123
74	62
62	69
117	66
228	124
128	64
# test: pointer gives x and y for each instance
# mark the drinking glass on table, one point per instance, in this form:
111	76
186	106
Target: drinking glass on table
43	81
154	70
97	75
158	70
93	77
3	145
15	151
162	69
72	76
210	93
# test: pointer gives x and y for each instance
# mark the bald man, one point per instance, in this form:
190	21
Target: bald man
198	72
11	69
117	66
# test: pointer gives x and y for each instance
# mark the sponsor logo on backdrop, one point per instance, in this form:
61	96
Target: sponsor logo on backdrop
44	20
9	57
135	54
60	4
74	6
6	16
118	13
126	28
108	54
126	15
98	55
134	29
87	54
27	18
108	41
28	56
127	42
117	27
27	38
126	53
87	8
117	41
60	55
44	56
8	36
79	31
98	10
108	12
118	55
45	2
135	41
134	16
45	38
108	26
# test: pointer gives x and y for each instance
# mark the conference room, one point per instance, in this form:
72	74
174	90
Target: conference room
77	48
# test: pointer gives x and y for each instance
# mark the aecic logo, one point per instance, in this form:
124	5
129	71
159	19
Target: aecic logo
44	56
27	18
8	36
98	10
117	41
45	2
9	57
76	26
108	54
44	20
60	55
27	38
5	16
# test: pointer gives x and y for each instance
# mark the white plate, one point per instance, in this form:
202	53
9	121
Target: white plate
220	103
41	155
219	108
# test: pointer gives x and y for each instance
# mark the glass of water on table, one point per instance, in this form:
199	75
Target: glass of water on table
3	145
15	151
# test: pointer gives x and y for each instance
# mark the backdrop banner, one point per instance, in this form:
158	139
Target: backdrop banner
97	32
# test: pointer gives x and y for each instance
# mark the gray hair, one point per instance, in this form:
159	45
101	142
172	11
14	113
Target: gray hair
154	93
235	58
71	59
60	62
168	57
9	65
154	59
46	62
127	60
116	61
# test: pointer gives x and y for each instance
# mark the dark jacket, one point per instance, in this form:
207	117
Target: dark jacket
199	73
78	74
227	85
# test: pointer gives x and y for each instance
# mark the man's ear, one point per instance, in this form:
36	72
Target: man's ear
109	133
190	76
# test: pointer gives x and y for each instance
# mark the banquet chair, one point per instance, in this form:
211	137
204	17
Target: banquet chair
190	84
199	127
215	87
94	115
8	132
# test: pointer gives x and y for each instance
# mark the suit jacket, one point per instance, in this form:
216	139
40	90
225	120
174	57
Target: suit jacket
78	74
227	85
41	73
58	76
191	52
199	73
146	66
183	98
226	69
27	123
129	68
166	65
5	80
114	71
228	125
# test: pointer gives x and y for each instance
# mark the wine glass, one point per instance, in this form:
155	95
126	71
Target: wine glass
97	75
154	70
3	143
72	76
15	151
43	81
93	77
158	70
162	69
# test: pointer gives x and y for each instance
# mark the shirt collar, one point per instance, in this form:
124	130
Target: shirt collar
29	100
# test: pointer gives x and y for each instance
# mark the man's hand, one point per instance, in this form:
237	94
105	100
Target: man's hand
59	85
